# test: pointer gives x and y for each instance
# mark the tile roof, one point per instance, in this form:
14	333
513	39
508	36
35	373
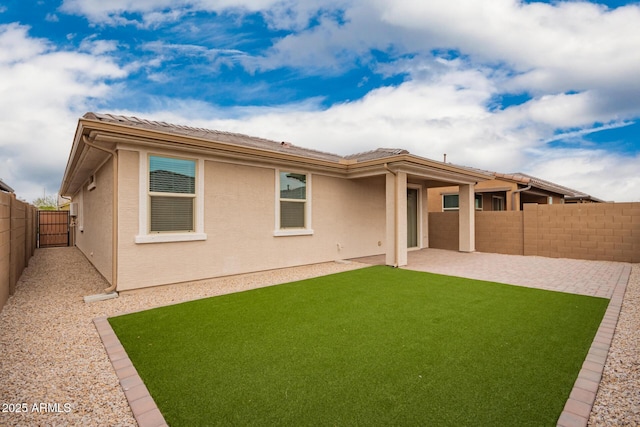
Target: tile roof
540	183
214	135
379	153
286	147
240	139
79	165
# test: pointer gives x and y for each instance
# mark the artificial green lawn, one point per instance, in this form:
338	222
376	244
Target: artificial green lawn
377	346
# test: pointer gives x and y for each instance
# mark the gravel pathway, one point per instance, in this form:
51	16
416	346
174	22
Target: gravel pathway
53	367
618	398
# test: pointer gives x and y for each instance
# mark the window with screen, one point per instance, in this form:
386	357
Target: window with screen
293	200
172	193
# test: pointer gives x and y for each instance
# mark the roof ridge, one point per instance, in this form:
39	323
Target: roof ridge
371	153
132	120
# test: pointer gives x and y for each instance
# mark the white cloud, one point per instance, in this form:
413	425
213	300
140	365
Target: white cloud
153	12
281	14
94	46
559	47
41	108
607	176
15	46
444	114
215	57
578	60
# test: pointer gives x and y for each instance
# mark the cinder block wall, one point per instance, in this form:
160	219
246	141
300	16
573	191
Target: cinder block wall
444	230
593	231
596	231
500	232
5	246
18	249
17	241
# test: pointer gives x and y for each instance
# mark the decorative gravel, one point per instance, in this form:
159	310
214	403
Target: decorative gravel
53	366
618	398
54	369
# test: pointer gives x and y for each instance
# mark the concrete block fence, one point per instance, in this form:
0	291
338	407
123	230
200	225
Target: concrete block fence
593	231
18	230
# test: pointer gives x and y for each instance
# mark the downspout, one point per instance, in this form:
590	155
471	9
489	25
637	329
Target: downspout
513	195
114	219
395	217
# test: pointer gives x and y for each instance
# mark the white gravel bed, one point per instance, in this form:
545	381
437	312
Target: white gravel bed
53	367
618	399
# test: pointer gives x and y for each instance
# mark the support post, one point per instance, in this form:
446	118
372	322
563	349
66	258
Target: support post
390	188
401	219
396	216
467	227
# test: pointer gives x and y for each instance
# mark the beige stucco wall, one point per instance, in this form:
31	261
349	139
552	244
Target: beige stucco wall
348	219
94	226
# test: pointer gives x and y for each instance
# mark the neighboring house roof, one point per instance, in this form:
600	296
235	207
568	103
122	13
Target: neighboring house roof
5	187
584	198
537	183
544	185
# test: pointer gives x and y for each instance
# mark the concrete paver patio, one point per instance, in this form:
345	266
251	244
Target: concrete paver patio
593	278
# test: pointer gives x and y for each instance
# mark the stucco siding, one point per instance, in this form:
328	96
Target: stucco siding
239	221
349	216
94	226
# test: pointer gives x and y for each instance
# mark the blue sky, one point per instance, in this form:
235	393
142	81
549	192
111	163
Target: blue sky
545	88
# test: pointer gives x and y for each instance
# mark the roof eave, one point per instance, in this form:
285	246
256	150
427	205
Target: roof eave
419	166
117	133
72	160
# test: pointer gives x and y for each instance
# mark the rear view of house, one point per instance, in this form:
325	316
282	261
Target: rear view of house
157	203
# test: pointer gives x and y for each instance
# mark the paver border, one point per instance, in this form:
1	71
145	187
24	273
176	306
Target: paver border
144	408
576	411
578	408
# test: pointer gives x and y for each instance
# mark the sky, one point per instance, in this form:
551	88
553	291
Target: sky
551	89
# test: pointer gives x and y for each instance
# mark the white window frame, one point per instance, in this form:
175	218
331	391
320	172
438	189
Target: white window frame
475	198
450	209
502	203
307	230
144	234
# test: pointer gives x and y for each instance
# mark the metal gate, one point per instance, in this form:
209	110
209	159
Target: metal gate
53	229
